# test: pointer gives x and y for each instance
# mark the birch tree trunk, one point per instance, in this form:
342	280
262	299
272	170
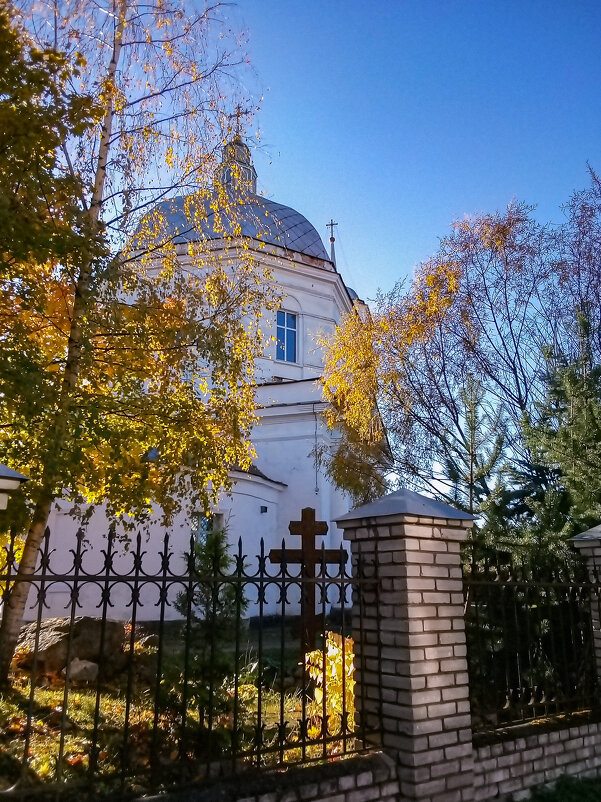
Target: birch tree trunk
15	602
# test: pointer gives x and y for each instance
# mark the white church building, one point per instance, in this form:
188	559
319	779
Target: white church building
286	476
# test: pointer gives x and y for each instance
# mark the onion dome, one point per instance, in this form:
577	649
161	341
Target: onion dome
251	215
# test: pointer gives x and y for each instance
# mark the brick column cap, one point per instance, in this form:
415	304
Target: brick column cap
405	506
592	537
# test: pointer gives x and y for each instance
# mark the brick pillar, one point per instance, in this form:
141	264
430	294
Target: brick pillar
589	545
411	666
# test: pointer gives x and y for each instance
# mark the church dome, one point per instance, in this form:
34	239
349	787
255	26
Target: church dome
257	218
254	216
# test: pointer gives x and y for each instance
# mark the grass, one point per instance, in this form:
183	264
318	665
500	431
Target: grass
177	753
46	725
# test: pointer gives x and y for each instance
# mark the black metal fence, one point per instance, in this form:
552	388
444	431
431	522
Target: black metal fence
226	663
213	673
529	635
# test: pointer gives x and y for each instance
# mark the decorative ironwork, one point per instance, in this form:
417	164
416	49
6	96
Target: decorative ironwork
210	686
529	635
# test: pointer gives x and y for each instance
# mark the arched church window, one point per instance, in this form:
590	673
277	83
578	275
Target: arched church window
203	524
286	336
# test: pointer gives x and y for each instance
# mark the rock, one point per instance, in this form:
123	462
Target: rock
81	670
55	719
118	664
145	675
54	643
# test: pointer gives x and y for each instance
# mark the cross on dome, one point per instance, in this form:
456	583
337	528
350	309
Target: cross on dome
236	171
331	225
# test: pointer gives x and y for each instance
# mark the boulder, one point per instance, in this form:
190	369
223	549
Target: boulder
54	643
81	670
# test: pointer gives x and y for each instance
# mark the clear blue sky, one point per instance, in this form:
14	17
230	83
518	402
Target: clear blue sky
398	116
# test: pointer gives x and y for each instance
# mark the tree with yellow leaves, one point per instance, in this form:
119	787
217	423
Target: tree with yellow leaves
454	362
363	375
128	346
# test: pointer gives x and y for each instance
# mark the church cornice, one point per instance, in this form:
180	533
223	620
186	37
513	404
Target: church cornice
280	382
296	265
302	410
233	246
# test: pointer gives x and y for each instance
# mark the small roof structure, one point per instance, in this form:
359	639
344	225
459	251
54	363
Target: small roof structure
8	473
9	480
591	534
254	471
406	502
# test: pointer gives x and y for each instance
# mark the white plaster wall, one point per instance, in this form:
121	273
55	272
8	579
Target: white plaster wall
319	298
241	512
285	446
289	428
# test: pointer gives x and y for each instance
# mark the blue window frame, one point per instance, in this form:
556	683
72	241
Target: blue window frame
286	336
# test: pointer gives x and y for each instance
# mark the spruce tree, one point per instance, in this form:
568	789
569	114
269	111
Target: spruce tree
567	436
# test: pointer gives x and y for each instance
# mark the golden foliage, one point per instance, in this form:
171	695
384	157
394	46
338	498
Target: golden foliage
334	694
362	358
146	345
489	304
351	375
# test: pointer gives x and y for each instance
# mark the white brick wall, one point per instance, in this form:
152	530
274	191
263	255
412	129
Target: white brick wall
365	779
513	767
418	683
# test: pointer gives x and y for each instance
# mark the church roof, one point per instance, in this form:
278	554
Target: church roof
249	215
258	218
254	471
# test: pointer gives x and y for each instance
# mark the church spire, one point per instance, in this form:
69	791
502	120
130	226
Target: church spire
236	171
331	225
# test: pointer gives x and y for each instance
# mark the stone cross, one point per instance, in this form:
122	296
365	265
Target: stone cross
309	557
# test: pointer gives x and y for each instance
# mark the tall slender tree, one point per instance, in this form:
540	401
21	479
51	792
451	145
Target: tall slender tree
456	361
140	389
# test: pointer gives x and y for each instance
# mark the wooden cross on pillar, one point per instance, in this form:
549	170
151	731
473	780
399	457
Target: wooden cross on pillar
309	557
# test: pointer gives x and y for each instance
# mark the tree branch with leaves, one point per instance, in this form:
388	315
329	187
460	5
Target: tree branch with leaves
123	333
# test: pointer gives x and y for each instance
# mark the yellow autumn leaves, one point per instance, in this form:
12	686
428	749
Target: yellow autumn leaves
362	355
332	671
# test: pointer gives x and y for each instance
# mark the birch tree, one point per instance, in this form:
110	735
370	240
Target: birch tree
456	360
140	387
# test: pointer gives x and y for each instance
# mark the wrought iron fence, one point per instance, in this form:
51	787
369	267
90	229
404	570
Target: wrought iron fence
224	679
529	635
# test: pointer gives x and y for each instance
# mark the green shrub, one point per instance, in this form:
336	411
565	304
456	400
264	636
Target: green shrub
215	603
568	789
